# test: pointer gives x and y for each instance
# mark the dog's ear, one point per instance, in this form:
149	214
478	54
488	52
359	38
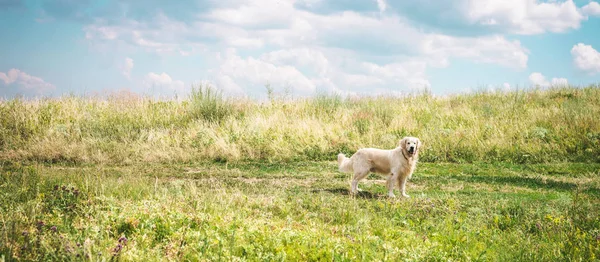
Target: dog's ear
402	143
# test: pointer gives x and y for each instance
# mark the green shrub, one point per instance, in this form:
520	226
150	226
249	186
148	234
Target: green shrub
208	104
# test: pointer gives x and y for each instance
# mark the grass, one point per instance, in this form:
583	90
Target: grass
503	177
533	126
298	211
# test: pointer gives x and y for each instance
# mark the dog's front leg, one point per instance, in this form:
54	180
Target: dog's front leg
390	184
403	186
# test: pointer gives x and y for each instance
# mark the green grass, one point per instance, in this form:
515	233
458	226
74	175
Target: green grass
298	211
503	177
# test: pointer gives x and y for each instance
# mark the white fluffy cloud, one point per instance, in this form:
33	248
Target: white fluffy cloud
586	58
537	79
382	5
524	17
354	75
256	72
163	83
126	67
489	49
25	81
277	42
591	9
162	35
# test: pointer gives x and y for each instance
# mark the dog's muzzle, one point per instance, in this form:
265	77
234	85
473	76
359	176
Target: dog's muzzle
411	150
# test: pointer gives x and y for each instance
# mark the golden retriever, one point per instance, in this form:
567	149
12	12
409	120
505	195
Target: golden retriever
398	164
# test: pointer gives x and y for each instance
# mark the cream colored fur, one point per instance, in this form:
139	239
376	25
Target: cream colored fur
398	164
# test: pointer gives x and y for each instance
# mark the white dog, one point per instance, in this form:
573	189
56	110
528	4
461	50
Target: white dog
398	164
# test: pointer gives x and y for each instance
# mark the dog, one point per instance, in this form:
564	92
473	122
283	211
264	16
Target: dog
398	164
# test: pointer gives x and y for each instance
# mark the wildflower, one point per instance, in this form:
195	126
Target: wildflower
118	248
123	240
55	187
53	229
40	225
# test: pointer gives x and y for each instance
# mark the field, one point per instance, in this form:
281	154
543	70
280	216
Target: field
503	177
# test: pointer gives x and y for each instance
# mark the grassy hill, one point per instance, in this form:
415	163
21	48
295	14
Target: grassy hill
535	126
503	177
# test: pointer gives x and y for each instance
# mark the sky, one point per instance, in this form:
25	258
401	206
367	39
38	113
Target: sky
302	47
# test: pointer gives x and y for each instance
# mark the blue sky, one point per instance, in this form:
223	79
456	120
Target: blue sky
352	47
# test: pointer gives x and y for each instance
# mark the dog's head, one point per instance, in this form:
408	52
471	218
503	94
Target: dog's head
411	145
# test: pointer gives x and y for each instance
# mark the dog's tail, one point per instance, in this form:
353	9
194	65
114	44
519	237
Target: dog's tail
344	163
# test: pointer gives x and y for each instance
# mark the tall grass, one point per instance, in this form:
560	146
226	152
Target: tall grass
208	104
559	124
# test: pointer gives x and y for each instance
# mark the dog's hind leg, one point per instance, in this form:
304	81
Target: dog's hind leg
357	177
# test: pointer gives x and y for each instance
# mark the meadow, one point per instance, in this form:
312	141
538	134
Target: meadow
502	176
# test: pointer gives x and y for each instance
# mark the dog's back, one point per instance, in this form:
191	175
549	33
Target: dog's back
371	159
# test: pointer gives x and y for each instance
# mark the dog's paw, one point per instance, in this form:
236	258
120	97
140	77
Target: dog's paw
391	195
358	189
405	195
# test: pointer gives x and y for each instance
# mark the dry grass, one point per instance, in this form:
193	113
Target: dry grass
534	126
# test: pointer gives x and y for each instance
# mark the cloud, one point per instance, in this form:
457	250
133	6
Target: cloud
537	79
505	87
25	81
304	71
586	58
255	73
488	49
229	85
161	35
126	67
164	84
382	5
278	42
559	82
252	26
591	9
525	17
